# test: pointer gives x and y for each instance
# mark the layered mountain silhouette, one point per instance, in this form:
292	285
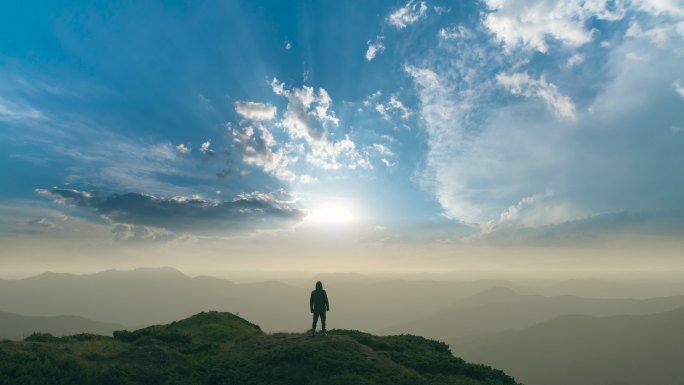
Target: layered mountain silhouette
221	348
16	327
500	309
580	349
158	295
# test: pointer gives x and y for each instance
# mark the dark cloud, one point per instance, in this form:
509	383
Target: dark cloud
142	216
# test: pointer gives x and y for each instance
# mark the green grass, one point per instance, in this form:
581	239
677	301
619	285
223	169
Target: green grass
221	348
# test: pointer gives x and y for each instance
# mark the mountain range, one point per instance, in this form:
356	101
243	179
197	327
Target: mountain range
581	349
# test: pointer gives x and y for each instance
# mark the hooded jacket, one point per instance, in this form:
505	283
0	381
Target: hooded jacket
319	300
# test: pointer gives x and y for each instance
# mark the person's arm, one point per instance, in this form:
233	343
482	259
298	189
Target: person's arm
327	305
311	301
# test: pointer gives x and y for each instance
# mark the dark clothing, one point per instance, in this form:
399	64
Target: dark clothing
315	320
318	305
319	302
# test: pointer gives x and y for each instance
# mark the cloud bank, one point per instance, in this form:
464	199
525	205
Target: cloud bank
148	216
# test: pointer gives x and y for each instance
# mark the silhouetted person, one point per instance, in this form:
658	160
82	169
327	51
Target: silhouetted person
318	305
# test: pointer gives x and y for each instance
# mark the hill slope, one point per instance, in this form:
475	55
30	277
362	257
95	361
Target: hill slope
15	326
220	348
574	349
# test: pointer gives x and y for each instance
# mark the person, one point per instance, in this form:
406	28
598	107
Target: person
318	305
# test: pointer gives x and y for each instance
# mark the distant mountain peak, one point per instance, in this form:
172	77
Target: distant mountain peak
495	294
156	272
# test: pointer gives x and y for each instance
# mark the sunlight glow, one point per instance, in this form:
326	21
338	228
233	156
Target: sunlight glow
335	212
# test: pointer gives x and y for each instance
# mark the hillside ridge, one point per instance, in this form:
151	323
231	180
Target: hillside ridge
222	348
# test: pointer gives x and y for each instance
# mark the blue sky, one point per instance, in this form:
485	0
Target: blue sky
512	124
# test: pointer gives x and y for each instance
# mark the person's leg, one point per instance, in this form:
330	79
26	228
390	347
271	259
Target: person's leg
315	321
323	321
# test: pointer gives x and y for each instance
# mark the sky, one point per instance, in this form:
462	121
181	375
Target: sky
528	137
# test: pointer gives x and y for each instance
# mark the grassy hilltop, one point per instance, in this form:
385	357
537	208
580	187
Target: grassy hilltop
221	348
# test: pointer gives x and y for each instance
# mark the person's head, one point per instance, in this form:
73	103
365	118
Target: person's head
319	285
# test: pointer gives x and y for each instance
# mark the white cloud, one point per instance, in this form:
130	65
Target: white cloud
453	33
11	111
255	143
679	87
371	98
441	9
395	105
382	111
255	111
442	116
205	148
535	211
667	34
528	23
308	117
408	14
661	7
382	149
523	84
374	48
574	60
183	149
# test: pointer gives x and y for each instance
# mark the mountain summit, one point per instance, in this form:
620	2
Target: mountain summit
222	348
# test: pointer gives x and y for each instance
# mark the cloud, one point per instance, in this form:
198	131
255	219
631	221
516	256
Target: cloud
666	34
453	33
408	14
307	123
447	178
679	87
42	222
523	84
528	23
256	144
255	111
536	210
661	7
308	117
441	10
67	196
124	164
183	149
382	149
205	148
153	216
374	48
394	105
15	112
371	98
496	170
575	59
590	229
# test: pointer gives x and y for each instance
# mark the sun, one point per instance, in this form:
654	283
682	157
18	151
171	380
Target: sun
332	212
